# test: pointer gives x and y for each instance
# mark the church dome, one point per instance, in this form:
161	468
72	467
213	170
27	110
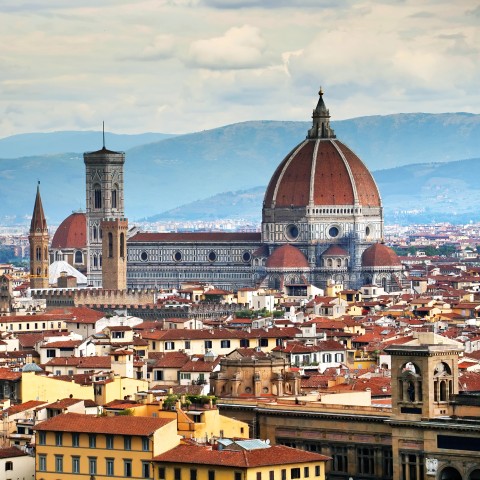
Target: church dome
72	232
322	171
379	255
335	251
287	256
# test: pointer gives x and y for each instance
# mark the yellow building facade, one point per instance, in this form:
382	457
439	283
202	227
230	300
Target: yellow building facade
85	446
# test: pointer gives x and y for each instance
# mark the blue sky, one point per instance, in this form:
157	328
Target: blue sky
187	65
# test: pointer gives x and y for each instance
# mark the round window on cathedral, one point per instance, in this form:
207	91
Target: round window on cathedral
212	256
247	256
292	232
177	256
367	231
144	256
333	232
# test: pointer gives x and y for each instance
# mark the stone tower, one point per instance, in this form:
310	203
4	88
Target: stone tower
424	384
104	190
38	239
114	253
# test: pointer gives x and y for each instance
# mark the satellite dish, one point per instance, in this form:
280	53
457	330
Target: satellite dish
267	441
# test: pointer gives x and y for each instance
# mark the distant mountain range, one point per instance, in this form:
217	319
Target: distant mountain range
165	171
441	192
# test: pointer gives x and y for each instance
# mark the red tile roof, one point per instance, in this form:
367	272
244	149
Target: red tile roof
274	455
118	425
287	256
226	237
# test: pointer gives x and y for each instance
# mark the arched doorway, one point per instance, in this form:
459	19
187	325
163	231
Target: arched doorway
475	475
450	473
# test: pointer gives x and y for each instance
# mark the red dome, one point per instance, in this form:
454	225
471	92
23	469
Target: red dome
287	256
335	251
379	255
322	171
72	232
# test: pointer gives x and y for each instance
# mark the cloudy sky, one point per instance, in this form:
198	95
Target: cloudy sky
179	66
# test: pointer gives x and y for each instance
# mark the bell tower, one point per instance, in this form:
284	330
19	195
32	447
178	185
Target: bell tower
104	192
38	239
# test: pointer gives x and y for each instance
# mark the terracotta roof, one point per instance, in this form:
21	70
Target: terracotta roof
379	255
223	237
7	374
82	362
64	403
72	232
274	455
287	256
334	250
118	425
324	171
10	452
22	407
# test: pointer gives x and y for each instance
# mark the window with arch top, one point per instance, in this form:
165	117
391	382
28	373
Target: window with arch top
110	244
97	189
122	245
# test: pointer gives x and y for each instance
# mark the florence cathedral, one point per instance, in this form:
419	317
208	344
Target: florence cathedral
322	221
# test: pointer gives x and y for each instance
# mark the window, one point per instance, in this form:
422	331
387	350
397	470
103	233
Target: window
158	375
8	466
306	472
317	470
114	198
42	463
127	442
127	468
42	438
365	461
98	196
75	464
58	439
110	244
185	376
187	345
295	472
92	465
50	353
161	473
146	469
92	440
259	475
387	463
145	444
208	344
75	439
284	474
244	342
109	442
122	245
412	466
271	475
327	358
59	463
263	342
193	474
225	344
211	475
237	476
78	256
339	459
169	345
177	474
110	467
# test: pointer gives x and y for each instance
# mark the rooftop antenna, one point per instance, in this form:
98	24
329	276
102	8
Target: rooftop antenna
103	133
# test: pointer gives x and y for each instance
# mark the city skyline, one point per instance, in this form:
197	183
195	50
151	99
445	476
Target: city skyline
189	65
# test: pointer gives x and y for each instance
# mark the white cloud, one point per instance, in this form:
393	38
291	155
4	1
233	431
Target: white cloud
239	47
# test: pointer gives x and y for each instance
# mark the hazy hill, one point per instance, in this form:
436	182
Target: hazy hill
28	144
412	193
162	175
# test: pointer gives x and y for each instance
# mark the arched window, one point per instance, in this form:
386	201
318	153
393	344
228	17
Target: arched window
8	466
78	256
110	244
339	262
122	245
45	253
100	260
38	253
443	391
95	261
114	196
39	271
94	232
97	189
329	262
